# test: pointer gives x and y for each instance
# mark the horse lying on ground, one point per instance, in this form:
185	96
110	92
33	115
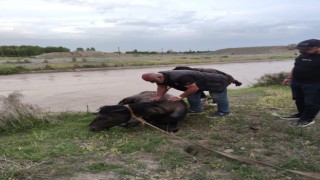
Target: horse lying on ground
163	114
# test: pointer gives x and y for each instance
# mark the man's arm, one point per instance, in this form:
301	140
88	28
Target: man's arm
161	90
288	80
191	89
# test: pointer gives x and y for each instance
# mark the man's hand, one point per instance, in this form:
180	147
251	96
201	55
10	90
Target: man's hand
157	98
175	98
287	81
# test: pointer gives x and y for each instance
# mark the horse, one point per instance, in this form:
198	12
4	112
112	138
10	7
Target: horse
163	114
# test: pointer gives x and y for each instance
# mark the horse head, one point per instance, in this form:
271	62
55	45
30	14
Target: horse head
110	116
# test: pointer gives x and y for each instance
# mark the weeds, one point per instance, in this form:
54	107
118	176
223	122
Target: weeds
14	115
5	70
271	79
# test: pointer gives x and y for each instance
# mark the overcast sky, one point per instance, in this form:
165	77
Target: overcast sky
156	25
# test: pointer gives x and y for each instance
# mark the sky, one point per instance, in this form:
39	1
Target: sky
158	25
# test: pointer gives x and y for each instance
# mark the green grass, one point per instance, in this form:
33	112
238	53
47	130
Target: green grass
98	167
5	70
63	147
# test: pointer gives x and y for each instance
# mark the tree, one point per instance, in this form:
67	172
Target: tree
80	49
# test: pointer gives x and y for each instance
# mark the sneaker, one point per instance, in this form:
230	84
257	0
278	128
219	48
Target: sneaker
190	112
218	115
302	123
204	99
291	117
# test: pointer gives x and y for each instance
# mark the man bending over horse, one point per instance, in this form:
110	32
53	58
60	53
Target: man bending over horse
193	81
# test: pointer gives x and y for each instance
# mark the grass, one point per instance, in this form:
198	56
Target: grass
15	115
62	147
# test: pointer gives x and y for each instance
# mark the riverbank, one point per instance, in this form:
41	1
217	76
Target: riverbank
45	64
64	148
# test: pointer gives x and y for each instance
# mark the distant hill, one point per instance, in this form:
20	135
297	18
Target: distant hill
256	50
262	50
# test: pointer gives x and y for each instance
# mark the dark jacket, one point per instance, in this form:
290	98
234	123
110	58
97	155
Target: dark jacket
205	80
306	69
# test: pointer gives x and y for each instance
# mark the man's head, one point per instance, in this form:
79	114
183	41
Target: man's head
310	46
153	77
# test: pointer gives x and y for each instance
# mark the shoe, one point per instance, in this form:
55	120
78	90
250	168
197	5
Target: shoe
204	99
190	112
291	117
218	115
302	123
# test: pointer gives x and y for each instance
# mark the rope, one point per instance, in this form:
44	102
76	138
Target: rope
230	156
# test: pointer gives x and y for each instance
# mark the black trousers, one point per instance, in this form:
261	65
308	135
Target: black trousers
307	99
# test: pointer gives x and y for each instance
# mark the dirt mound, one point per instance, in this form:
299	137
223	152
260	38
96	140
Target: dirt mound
256	50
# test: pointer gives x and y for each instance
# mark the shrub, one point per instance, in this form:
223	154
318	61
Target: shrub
16	115
48	67
5	70
271	79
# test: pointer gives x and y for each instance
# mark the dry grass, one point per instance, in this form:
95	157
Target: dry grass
14	113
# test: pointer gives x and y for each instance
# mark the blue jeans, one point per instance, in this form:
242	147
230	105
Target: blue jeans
195	102
307	99
220	97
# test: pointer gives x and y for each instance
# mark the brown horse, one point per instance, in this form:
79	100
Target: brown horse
163	114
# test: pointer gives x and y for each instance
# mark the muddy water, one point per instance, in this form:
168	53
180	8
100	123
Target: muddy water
79	91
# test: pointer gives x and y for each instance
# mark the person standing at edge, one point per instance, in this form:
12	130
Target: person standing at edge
304	80
193	81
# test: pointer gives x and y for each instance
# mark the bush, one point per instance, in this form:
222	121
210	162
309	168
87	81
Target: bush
5	70
271	79
15	115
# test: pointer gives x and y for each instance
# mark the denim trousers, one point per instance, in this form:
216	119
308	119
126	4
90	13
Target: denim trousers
221	98
307	99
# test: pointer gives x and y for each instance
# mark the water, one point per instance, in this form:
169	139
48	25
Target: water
88	90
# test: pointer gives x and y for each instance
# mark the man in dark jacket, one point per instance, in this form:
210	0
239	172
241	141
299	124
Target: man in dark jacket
304	80
193	81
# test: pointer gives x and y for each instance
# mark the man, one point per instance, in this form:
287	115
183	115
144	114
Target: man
203	96
193	81
304	80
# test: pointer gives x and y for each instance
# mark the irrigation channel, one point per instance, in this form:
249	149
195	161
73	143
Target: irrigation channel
88	90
